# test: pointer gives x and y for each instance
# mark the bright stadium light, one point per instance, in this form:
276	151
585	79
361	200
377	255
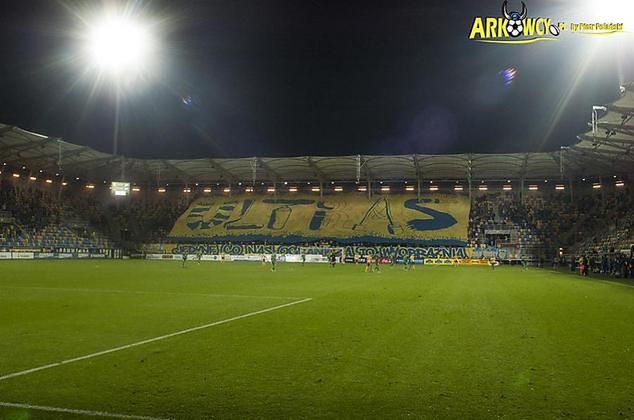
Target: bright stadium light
610	11
120	46
117	47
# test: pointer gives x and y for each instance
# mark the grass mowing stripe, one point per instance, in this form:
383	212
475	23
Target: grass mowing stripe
144	292
151	340
76	411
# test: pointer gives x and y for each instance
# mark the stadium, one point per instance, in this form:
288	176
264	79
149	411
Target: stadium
416	285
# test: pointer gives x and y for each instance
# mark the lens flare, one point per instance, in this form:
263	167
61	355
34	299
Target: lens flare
509	75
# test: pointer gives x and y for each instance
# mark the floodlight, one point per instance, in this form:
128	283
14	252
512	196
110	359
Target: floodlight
618	11
120	46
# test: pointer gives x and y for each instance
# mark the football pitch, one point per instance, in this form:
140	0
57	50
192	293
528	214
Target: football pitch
149	339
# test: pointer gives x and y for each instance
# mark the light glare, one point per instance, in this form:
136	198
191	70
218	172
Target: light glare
120	46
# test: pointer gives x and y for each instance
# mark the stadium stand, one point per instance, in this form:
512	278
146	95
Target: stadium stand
35	218
538	206
543	222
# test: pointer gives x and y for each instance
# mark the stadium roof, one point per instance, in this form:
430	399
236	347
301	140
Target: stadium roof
605	151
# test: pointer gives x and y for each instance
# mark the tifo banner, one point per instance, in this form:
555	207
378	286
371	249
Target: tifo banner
392	252
438	219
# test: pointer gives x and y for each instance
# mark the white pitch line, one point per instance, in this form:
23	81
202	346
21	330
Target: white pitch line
144	292
150	340
76	411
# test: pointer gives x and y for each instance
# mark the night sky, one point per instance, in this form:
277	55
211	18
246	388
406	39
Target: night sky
299	77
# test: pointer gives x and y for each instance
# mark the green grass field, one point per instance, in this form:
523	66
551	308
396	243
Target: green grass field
437	342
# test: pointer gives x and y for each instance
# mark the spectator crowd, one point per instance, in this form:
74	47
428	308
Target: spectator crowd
542	226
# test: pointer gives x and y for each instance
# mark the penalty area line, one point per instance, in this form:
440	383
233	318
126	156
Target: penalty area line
151	340
76	411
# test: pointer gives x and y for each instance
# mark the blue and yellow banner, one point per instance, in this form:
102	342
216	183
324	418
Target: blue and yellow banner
439	219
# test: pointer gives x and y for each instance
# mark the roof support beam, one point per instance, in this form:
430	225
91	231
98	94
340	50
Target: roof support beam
267	169
215	165
368	174
16	149
417	167
603	152
184	175
593	158
318	172
621	109
611	140
524	166
108	159
419	177
609	155
619	128
48	156
366	168
566	165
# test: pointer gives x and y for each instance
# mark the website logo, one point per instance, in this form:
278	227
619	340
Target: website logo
514	26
